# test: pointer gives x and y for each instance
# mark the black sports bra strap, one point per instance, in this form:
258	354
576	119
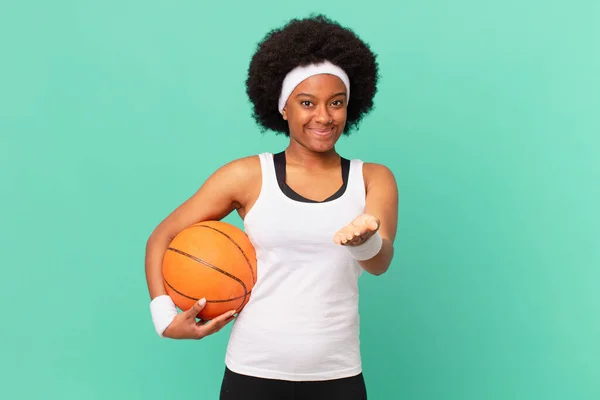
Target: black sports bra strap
280	171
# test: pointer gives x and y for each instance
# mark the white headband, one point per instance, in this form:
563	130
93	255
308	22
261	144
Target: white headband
300	73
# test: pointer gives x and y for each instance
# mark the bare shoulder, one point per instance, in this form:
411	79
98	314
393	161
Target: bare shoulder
230	187
378	175
241	179
241	169
239	175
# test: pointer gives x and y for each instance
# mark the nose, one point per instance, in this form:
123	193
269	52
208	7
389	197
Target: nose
322	115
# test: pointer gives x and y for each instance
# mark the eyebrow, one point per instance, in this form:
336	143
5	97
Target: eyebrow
310	95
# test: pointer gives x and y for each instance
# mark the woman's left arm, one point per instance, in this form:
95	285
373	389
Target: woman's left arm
381	203
380	219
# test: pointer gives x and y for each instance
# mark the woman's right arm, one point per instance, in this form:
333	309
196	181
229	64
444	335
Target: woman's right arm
225	190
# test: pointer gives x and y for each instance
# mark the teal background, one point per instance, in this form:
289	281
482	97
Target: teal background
114	112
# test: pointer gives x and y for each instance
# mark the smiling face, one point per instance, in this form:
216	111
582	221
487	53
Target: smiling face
316	112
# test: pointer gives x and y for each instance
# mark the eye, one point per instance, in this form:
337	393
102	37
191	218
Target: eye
337	103
306	103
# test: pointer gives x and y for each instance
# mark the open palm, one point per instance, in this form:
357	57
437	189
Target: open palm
358	231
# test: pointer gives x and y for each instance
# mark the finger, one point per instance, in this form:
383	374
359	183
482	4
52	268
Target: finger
361	224
350	233
220	319
343	236
196	308
363	237
228	320
373	223
201	323
368	222
337	238
215	326
366	235
357	240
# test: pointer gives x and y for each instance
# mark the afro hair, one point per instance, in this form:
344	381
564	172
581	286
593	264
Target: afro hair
301	42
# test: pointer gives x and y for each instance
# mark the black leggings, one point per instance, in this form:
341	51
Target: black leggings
242	387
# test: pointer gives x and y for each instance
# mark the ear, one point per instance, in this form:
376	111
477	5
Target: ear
284	113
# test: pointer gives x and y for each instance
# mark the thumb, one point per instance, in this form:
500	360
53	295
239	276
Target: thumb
372	222
196	308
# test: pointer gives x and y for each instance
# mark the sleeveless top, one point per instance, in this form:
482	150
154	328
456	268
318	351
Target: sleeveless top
301	322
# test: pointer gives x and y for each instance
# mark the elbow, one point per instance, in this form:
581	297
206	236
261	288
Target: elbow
375	267
159	237
380	270
152	239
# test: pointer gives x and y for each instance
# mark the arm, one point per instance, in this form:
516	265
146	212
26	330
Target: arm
382	203
225	190
370	237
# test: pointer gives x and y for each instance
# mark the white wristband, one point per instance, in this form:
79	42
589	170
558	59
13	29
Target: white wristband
163	311
367	250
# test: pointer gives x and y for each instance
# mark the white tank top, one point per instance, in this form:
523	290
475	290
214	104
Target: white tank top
301	322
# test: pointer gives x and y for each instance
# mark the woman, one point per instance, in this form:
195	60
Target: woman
317	221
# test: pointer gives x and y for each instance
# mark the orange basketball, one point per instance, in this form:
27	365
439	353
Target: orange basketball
214	260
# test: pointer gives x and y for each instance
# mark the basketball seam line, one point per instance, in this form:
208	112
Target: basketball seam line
207	264
237	245
196	299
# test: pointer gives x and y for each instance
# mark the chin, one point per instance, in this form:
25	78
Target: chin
322	147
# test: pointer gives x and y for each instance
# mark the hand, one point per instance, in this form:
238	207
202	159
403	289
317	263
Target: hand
185	326
358	231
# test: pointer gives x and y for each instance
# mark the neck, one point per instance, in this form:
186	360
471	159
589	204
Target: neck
297	154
